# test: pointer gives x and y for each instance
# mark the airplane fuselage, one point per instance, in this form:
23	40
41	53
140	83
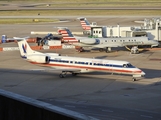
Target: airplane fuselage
91	65
115	42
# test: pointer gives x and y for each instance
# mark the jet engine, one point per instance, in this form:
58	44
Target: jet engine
89	41
39	58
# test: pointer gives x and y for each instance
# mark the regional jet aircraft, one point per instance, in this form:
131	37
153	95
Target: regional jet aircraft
104	43
76	65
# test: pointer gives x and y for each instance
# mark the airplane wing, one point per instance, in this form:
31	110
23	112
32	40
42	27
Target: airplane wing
42	33
74	70
107	45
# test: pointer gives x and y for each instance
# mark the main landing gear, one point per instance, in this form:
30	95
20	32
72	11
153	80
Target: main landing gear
80	49
64	73
101	49
107	49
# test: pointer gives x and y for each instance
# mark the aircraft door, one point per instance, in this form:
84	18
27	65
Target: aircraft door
124	66
111	68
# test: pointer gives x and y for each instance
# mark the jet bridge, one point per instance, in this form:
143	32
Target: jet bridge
134	33
98	31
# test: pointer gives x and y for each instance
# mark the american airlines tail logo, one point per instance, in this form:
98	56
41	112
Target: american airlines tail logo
24	47
65	33
67	36
85	25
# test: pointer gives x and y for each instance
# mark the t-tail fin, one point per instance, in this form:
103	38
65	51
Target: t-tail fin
24	48
67	35
85	24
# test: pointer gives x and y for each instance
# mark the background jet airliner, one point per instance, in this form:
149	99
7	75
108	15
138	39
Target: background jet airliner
104	43
77	65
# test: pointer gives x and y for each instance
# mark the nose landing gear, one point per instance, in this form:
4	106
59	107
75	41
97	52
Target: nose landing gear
133	79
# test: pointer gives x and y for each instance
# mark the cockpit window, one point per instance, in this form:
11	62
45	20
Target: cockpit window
128	65
124	65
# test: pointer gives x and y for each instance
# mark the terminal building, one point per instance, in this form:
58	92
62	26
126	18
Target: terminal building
150	28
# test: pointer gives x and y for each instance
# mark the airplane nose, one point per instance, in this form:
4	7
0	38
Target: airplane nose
157	43
142	73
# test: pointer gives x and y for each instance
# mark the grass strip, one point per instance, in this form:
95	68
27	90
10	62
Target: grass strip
103	4
79	12
85	1
19	21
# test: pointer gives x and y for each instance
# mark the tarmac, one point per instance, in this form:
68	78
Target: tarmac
113	96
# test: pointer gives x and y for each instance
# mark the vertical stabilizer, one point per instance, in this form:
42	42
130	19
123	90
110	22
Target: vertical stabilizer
67	35
24	48
84	23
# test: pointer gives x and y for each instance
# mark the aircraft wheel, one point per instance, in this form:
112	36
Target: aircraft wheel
81	49
61	75
106	50
101	49
134	79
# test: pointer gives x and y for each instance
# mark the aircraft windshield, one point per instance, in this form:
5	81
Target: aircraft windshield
128	65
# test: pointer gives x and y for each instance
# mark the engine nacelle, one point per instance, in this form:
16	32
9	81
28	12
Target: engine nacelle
89	41
39	58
